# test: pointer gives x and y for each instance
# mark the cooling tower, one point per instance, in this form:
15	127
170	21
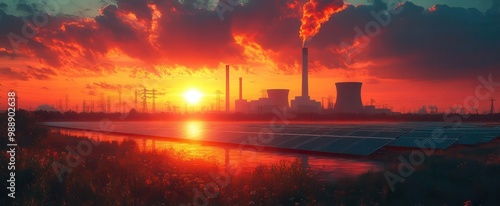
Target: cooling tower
305	84
278	97
348	98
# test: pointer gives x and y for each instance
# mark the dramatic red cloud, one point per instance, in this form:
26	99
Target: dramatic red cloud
317	12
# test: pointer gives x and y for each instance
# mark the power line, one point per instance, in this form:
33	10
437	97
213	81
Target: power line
492	109
149	94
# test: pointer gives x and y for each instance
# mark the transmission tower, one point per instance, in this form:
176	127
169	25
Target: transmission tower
154	93
149	94
135	99
492	109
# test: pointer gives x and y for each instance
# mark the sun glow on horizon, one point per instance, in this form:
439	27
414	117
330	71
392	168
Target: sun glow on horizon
193	96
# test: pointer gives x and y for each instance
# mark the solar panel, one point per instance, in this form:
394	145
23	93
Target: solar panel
339	132
339	145
367	146
487	139
316	143
469	140
300	131
422	134
278	139
388	134
413	142
236	140
294	141
363	133
223	136
452	134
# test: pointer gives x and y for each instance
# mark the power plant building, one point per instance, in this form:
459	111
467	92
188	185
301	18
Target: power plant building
276	99
370	109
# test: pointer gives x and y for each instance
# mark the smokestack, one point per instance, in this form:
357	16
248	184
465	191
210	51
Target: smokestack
305	87
241	89
227	88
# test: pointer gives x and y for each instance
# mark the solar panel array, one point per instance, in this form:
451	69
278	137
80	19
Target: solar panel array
351	139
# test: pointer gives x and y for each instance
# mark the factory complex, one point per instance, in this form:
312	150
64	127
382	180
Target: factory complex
348	98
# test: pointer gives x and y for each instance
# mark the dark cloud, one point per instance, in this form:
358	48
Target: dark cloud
417	43
9	24
111	87
447	43
41	73
139	8
7	73
10	54
24	7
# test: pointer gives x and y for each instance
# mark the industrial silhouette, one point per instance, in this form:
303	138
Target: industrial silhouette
348	98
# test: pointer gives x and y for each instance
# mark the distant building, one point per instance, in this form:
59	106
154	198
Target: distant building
305	105
277	99
370	109
242	106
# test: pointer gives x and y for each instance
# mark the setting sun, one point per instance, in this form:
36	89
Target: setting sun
193	96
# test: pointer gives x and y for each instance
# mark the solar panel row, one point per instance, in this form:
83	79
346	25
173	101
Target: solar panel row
357	139
423	143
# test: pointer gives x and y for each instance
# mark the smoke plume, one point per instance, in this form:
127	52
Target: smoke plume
316	12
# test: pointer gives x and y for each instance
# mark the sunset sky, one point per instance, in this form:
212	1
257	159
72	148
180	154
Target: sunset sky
430	52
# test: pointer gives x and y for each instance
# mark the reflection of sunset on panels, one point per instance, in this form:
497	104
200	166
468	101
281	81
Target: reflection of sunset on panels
247	158
194	130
